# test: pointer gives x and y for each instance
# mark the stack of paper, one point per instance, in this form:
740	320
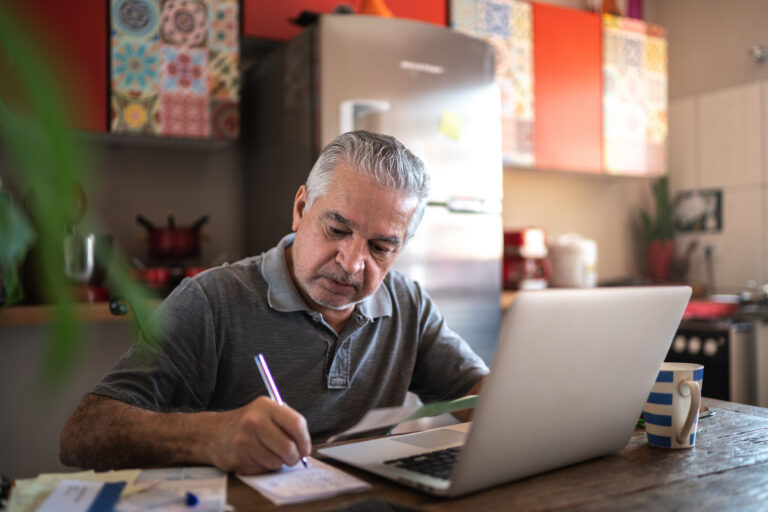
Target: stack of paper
298	484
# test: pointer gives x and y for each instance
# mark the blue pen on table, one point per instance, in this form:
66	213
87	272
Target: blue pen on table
266	376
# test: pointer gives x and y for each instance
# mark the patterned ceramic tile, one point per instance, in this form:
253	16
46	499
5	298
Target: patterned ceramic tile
184	70
184	114
507	26
223	27
184	22
175	67
464	16
135	65
223	75
136	18
134	113
225	119
496	19
635	123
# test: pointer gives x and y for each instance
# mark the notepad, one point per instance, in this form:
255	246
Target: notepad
298	484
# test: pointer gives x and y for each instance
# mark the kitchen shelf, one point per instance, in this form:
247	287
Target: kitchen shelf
42	314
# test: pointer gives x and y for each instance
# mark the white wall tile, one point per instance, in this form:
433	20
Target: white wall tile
729	130
682	144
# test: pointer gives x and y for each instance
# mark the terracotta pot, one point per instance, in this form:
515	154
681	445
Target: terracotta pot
661	253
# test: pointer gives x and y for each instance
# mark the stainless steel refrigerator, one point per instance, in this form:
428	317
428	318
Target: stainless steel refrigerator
428	86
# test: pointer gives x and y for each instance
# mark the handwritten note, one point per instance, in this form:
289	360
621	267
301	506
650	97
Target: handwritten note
299	484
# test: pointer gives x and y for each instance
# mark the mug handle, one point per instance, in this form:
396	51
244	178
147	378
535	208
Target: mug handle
689	387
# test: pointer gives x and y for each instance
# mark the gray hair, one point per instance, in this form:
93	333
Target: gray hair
382	157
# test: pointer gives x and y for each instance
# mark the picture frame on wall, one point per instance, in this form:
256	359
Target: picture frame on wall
699	211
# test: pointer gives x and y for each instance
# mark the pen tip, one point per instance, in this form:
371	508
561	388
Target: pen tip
304	461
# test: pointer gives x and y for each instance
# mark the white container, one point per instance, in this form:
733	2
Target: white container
574	261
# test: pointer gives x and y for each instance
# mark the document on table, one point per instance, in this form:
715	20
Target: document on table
298	484
391	416
167	490
82	496
29	494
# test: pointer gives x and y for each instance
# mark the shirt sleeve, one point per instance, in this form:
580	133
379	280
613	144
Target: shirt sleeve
446	366
176	369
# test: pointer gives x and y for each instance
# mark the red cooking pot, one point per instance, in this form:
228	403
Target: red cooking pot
173	241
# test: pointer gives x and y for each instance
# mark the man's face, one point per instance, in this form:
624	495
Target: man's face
347	241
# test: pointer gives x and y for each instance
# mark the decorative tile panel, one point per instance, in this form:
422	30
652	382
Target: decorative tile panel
635	123
507	26
174	67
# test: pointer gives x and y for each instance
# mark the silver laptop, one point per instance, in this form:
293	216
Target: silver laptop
571	374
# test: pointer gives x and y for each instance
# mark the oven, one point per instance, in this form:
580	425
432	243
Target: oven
727	350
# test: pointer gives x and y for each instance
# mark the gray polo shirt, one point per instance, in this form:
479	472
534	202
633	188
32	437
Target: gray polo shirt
213	325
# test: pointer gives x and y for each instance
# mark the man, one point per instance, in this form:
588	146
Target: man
340	332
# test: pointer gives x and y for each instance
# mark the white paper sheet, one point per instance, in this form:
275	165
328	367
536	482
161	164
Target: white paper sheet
72	496
29	494
298	484
391	416
165	490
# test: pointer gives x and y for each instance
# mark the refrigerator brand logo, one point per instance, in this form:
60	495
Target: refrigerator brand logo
422	67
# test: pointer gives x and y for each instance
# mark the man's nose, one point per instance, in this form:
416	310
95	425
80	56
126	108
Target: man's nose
351	255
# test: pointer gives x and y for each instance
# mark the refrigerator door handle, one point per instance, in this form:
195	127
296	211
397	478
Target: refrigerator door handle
350	110
469	205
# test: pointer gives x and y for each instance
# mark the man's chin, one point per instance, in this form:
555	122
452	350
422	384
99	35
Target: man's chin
335	303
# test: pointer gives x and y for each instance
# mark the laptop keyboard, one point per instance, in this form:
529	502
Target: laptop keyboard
438	463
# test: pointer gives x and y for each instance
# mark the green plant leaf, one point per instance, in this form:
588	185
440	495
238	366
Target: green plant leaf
48	160
16	237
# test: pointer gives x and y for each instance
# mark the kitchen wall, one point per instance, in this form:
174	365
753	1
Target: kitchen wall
718	130
604	208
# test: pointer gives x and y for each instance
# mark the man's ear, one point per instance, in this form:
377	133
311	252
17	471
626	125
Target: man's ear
299	207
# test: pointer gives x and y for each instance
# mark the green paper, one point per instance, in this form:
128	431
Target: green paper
437	408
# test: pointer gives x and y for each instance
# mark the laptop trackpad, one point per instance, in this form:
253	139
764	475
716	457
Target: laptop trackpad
433	438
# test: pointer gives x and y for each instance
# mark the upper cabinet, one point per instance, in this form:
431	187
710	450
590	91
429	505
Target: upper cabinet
579	91
567	88
72	37
272	20
635	109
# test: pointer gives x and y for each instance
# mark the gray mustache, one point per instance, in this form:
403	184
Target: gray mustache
344	278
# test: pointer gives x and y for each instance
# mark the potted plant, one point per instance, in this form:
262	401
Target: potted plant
659	232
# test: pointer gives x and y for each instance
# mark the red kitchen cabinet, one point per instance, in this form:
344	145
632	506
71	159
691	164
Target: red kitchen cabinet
269	20
567	89
73	37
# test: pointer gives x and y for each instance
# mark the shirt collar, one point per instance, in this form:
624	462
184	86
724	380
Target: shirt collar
282	294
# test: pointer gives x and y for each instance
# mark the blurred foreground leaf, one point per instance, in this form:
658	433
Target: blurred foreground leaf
47	159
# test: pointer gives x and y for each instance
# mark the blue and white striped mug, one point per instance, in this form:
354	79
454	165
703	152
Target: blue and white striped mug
671	413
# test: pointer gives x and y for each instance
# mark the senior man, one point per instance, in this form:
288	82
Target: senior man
341	332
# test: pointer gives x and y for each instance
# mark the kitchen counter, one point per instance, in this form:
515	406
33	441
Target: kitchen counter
43	313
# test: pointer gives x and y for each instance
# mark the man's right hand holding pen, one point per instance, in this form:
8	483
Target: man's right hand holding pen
259	437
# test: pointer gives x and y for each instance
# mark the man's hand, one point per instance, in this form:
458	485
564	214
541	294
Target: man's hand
257	437
104	433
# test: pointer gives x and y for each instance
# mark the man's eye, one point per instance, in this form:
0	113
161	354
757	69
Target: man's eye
379	249
336	231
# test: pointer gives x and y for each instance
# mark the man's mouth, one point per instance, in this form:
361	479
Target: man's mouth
340	285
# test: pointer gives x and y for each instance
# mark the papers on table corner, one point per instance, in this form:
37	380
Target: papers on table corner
298	484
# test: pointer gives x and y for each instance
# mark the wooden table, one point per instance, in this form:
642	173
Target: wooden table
726	470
